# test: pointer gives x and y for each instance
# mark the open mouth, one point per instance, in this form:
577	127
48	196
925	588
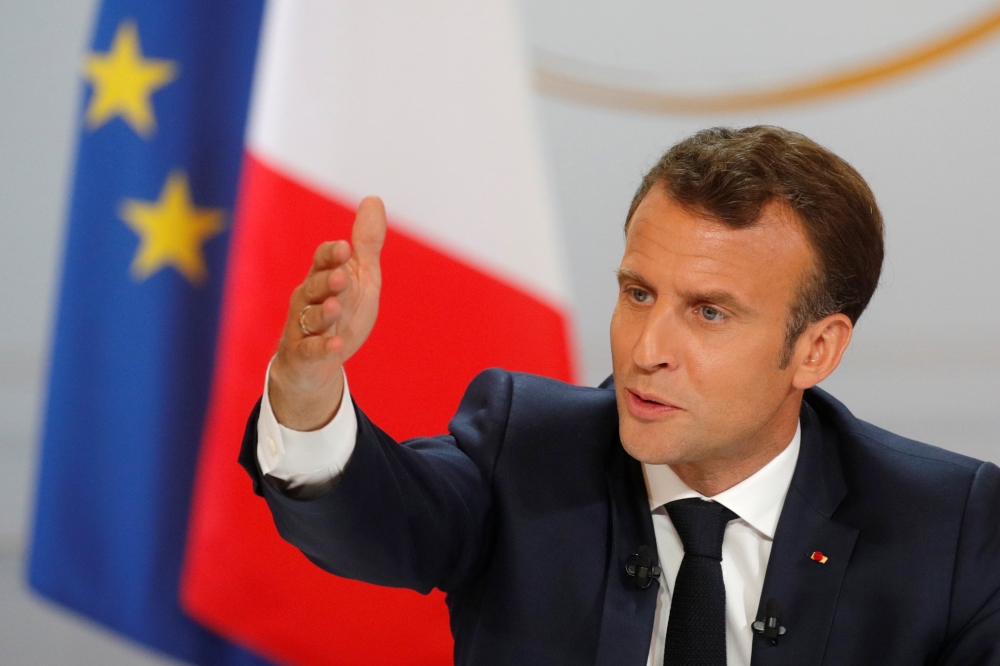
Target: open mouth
645	406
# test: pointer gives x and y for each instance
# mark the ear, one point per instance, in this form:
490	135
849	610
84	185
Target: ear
819	349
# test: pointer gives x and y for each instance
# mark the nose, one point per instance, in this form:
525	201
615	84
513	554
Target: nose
656	346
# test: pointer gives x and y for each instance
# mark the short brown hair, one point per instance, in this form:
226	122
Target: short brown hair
731	174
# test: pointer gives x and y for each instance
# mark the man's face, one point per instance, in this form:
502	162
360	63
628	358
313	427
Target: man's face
698	331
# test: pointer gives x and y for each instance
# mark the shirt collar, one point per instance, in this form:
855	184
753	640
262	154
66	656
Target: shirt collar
757	500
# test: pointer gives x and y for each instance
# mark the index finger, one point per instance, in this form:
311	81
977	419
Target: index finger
330	255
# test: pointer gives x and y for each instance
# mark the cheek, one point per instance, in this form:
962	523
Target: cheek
737	371
622	335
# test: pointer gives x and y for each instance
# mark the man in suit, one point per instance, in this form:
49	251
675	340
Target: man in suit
708	506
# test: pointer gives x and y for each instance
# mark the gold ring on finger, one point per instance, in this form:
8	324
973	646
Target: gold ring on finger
302	321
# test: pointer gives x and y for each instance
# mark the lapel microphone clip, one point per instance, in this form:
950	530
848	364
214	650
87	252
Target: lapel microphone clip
769	627
642	567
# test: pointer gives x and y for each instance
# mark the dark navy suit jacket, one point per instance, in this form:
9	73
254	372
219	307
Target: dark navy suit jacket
525	513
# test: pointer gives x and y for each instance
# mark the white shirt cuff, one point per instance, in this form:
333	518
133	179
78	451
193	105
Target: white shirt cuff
310	458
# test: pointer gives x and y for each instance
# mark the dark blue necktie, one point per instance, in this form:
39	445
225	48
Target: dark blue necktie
696	630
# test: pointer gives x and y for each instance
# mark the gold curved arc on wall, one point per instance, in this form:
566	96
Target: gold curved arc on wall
580	88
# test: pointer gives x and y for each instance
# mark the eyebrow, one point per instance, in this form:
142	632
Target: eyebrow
721	298
625	274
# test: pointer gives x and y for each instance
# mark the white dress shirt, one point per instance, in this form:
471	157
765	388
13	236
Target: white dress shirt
316	457
746	545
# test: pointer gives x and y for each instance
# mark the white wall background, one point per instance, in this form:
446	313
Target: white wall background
926	357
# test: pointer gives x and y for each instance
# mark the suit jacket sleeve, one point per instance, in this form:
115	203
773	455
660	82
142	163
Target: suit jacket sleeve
974	618
416	514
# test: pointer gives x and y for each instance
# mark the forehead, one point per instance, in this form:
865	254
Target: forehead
669	244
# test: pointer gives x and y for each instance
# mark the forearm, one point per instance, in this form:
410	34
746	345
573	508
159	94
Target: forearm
413	515
410	515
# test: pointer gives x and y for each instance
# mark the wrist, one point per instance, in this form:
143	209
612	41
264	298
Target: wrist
304	407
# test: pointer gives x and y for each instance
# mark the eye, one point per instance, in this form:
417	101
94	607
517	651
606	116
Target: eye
711	314
639	295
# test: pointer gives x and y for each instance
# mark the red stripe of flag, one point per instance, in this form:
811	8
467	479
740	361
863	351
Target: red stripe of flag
440	322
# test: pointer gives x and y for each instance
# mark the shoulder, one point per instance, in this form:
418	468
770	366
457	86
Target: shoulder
529	411
880	442
900	467
547	406
525	395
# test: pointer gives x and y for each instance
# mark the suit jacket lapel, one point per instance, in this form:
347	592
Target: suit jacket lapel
627	623
807	589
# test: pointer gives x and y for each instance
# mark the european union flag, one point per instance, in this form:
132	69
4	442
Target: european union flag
161	142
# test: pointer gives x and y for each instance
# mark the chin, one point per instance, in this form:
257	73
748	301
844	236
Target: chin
650	444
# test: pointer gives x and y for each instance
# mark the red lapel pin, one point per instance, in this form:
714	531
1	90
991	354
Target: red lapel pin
818	557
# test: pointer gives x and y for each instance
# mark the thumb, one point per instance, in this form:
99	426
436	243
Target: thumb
368	234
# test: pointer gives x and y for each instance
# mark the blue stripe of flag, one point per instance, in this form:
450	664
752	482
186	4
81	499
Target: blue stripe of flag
132	354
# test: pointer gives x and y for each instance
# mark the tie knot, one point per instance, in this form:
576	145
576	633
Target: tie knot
701	525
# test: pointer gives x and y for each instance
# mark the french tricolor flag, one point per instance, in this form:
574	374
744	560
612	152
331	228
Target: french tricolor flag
428	105
219	144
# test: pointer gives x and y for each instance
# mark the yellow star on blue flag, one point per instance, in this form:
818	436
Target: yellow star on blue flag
124	81
172	230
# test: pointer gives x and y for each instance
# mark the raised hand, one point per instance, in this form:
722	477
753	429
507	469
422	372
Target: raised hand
330	316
